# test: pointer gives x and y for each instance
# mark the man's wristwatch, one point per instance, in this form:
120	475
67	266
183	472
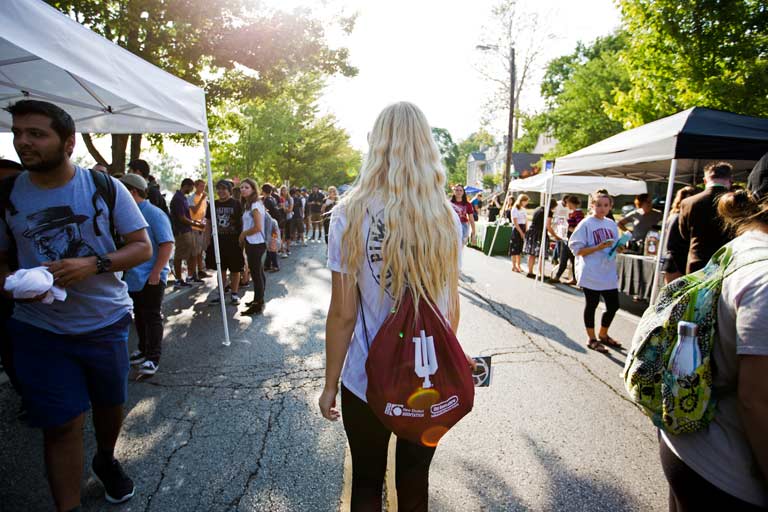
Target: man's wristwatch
103	264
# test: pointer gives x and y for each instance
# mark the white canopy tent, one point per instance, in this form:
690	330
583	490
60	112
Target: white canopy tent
673	149
545	183
46	55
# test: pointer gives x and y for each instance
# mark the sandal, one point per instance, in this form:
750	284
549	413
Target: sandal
610	342
595	345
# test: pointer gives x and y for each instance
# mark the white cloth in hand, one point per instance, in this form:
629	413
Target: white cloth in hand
28	283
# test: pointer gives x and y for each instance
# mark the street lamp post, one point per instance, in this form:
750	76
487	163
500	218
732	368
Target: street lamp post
511	126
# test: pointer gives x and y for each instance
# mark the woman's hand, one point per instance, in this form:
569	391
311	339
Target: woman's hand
472	362
241	239
327	403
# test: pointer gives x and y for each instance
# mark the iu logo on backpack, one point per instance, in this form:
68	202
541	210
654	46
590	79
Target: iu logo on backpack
419	381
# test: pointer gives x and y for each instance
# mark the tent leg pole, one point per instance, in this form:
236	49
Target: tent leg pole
543	249
664	235
215	236
496	224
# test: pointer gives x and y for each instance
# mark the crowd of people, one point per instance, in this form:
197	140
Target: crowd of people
109	245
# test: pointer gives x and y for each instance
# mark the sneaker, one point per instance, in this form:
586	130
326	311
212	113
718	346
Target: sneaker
118	488
234	299
283	255
304	243
195	280
137	358
215	300
255	309
149	368
203	275
181	284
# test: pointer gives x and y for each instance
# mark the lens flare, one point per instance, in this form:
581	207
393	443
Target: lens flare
432	435
423	398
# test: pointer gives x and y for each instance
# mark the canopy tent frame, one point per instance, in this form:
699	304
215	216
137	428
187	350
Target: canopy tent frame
673	149
160	103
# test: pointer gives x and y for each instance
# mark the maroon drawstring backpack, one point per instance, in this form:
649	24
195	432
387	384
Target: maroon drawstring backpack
419	381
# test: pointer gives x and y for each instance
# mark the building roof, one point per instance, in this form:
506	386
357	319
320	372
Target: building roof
477	155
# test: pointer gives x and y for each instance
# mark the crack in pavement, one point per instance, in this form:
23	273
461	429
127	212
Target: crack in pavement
272	419
499	310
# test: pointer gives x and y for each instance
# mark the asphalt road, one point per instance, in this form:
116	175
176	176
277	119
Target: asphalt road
236	428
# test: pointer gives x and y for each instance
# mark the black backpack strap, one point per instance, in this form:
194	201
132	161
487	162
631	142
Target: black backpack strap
105	189
6	187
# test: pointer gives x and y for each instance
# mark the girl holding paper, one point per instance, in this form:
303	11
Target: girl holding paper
596	271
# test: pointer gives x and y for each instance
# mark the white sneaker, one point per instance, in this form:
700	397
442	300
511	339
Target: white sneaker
148	368
235	299
283	255
137	358
304	244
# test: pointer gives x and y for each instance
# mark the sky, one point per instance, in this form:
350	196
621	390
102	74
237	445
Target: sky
424	51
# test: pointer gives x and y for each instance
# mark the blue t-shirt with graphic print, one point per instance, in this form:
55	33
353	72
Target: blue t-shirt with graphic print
54	224
159	232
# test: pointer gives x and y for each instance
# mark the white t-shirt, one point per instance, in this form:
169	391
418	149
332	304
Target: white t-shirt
376	307
595	271
519	215
721	454
257	238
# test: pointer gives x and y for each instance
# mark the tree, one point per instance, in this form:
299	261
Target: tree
282	138
687	53
225	46
449	152
465	147
579	90
491	180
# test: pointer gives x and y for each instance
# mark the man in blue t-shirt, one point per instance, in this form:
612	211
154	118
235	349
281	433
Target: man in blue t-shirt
70	354
182	229
146	282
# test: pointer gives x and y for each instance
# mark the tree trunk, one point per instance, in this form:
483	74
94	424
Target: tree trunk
135	146
119	144
92	149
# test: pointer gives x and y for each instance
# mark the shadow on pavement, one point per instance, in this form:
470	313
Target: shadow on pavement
523	320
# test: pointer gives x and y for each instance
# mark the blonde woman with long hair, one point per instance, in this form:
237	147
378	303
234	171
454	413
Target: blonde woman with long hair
394	229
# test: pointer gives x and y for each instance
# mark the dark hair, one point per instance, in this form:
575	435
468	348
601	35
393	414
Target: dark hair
140	165
552	204
574	200
683	193
10	164
463	197
741	211
642	198
719	170
267	188
187	181
254	197
61	122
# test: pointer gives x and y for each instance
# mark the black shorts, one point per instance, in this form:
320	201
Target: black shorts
232	258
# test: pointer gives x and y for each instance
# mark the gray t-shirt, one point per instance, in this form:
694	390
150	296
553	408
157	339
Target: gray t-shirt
642	222
54	224
595	271
721	454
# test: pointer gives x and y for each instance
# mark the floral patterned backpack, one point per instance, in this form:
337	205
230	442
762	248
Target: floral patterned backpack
681	404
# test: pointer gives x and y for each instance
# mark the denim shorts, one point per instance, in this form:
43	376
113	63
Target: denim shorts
61	375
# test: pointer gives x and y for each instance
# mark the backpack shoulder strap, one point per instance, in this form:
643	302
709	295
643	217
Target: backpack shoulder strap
6	188
362	314
105	189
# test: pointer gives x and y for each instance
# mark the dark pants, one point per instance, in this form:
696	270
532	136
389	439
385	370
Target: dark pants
255	254
271	261
6	347
592	297
326	226
689	492
368	443
565	256
149	319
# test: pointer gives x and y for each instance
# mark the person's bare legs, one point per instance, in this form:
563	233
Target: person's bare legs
531	264
177	269
63	446
107	422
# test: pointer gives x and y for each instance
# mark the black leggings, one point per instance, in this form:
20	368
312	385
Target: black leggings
592	297
368	443
255	253
689	492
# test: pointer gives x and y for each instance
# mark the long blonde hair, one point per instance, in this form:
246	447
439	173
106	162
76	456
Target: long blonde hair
420	248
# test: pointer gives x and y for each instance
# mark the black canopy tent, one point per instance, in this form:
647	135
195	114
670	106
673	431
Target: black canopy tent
673	149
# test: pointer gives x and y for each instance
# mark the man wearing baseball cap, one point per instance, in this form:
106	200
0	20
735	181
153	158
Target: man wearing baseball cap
146	282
